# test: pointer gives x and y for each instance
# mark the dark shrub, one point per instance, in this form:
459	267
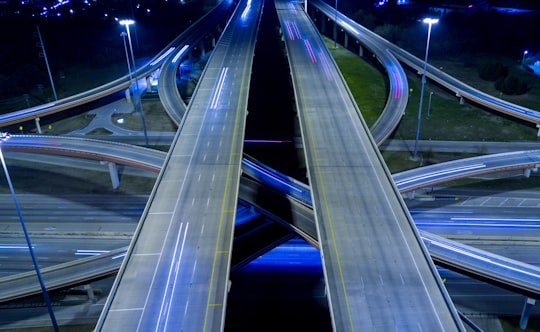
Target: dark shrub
493	71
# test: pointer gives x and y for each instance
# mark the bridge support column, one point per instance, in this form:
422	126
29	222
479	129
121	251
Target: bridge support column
38	127
527	172
461	101
323	25
201	45
213	42
113	172
538	126
525	313
411	195
128	95
346	41
360	51
90	292
148	84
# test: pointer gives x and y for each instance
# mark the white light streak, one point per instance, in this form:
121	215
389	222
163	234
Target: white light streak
219	88
439	173
153	63
179	54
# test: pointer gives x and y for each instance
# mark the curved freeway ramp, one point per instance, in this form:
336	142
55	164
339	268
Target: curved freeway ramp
431	175
445	252
398	93
459	88
206	23
119	153
167	88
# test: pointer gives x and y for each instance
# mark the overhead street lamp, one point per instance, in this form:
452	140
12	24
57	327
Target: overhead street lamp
124	35
523	59
429	22
136	98
3	137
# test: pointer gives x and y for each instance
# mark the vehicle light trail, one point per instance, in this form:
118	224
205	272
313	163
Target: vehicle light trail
179	54
163	56
219	88
441	173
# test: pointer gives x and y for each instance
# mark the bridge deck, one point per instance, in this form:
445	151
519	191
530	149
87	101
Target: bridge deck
176	273
379	276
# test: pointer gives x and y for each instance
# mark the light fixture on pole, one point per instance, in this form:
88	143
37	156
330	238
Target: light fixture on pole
136	97
3	137
429	22
523	59
124	35
46	63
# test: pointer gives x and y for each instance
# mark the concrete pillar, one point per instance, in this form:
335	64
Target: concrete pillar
461	100
361	51
203	51
128	95
525	313
148	84
346	41
90	293
527	172
323	26
213	41
38	127
113	172
538	126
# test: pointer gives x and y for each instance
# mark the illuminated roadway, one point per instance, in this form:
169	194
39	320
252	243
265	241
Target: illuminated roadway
302	220
175	275
362	223
431	175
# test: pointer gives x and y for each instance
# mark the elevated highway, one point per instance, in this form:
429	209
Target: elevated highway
356	202
175	275
431	175
494	269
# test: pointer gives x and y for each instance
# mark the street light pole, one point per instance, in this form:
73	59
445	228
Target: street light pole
523	59
430	22
335	26
46	63
136	98
124	35
429	104
3	137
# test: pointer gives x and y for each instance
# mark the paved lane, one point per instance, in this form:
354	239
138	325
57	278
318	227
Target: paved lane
378	274
176	274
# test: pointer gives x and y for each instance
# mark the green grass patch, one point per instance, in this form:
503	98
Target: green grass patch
511	324
366	83
448	119
444	117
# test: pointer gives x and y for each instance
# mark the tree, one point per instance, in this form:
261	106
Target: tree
511	85
493	71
